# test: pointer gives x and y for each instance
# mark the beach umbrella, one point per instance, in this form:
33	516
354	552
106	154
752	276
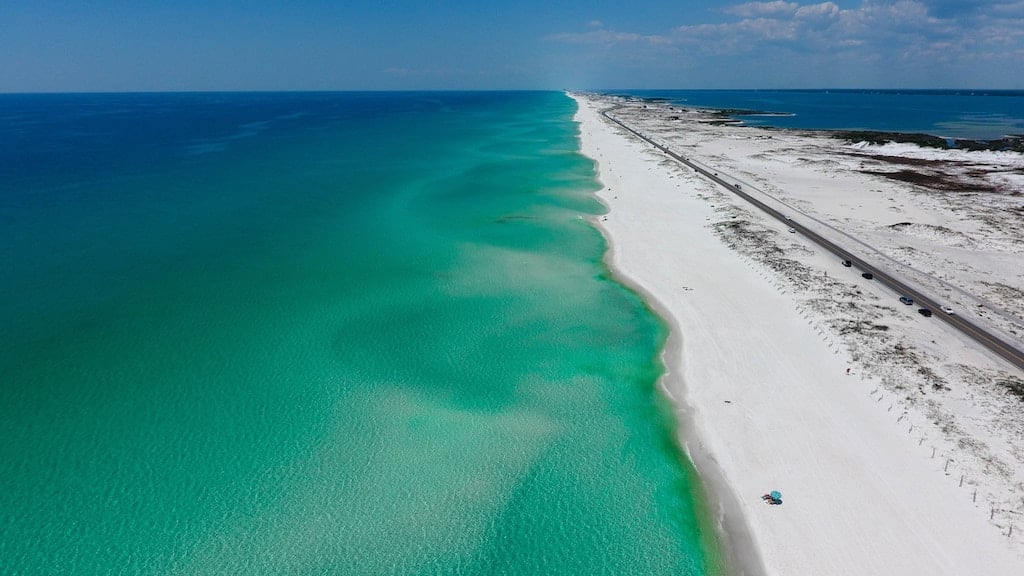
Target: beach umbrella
776	495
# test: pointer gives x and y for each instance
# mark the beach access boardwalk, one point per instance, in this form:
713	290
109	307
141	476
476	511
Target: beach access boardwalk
1005	350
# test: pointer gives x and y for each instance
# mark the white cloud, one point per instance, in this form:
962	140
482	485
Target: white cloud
752	9
768	29
608	37
898	32
823	10
1008	9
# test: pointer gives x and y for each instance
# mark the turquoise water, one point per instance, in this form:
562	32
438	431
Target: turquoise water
970	114
323	334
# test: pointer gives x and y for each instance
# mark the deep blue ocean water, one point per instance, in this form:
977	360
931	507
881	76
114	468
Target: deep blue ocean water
977	114
323	333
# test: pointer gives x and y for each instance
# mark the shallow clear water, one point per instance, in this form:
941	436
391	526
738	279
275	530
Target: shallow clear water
970	114
323	333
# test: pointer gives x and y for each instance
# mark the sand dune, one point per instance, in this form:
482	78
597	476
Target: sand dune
911	463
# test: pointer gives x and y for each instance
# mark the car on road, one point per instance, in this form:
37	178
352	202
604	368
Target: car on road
947	310
737	186
924	312
847	263
868	275
906	300
792	230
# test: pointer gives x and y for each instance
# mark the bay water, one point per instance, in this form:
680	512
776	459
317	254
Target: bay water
969	114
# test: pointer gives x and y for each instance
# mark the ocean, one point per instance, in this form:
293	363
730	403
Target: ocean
324	333
966	114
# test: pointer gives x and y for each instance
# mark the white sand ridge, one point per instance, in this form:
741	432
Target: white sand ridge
913	463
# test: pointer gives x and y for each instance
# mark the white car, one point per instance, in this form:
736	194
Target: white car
946	309
792	230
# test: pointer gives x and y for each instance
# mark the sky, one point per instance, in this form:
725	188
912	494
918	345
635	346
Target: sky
186	45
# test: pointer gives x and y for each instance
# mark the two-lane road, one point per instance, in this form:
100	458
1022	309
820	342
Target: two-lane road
1005	350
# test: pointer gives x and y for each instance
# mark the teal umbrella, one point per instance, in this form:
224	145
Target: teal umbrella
776	495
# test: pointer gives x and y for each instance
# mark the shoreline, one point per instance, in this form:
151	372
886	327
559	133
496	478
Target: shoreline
800	428
738	548
737	545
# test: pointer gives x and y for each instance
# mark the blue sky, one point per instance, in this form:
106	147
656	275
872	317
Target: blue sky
122	45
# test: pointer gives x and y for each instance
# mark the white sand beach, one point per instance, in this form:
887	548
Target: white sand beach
911	463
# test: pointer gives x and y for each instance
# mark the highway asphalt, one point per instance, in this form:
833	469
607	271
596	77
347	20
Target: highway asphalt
1000	347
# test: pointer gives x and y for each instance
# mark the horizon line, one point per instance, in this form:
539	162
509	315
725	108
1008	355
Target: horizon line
493	90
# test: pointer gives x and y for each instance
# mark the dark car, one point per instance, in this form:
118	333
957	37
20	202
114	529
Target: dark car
847	263
868	275
906	300
924	312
